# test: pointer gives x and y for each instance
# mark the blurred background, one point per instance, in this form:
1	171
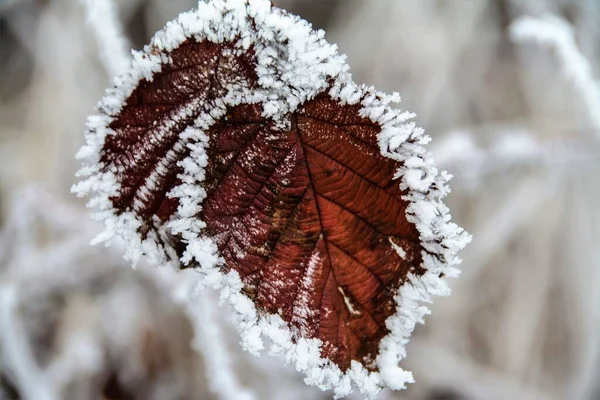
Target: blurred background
507	89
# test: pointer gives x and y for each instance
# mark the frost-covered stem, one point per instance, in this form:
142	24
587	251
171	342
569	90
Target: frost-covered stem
16	352
18	226
210	342
516	148
112	45
554	38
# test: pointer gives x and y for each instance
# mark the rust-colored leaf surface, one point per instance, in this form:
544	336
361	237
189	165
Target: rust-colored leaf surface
309	217
148	128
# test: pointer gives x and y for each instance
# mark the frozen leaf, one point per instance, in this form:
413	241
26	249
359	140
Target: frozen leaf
238	145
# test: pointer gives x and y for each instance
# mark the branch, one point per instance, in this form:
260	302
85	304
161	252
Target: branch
209	341
548	45
16	352
112	45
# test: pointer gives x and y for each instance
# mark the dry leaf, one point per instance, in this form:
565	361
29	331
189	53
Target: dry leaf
238	145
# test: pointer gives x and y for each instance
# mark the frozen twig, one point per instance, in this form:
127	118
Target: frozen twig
16	352
92	328
548	45
210	330
209	341
112	45
512	147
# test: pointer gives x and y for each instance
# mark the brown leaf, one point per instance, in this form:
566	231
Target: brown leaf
253	140
306	217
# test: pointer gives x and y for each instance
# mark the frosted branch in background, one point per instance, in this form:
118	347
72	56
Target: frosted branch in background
512	147
548	44
209	342
16	353
209	332
112	45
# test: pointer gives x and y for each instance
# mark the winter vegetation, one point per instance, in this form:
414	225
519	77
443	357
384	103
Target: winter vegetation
507	90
